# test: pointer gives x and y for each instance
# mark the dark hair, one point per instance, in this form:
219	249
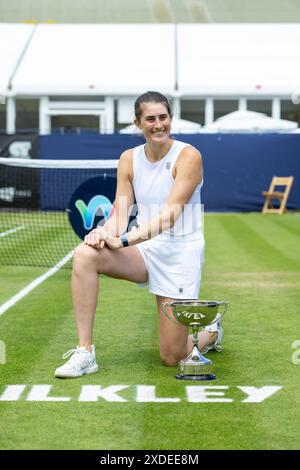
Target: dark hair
150	97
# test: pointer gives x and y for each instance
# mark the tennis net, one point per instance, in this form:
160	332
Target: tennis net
47	206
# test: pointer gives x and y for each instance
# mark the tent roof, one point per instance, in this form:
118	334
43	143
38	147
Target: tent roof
98	59
222	59
251	60
243	114
13	40
249	121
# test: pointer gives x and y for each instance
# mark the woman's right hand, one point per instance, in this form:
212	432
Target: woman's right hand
96	238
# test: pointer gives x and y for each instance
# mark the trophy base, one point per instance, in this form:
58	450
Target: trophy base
196	377
195	367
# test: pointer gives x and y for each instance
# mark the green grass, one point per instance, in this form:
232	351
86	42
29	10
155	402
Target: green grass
137	11
253	261
44	239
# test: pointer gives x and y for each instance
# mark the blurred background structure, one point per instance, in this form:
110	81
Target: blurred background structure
74	65
71	71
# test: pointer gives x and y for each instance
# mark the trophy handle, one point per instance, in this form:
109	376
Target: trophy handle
225	305
168	304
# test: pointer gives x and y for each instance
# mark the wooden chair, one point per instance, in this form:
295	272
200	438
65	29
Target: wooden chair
280	196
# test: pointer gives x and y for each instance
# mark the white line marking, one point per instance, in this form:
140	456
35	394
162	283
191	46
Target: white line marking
34	284
12	230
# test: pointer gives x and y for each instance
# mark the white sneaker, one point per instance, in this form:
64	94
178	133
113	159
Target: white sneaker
81	362
216	327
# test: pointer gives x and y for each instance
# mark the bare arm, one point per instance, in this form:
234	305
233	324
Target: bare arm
124	200
188	175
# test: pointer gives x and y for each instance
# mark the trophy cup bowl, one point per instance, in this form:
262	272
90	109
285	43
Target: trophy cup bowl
196	314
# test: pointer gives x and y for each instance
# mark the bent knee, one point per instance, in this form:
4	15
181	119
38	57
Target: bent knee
87	256
84	255
83	251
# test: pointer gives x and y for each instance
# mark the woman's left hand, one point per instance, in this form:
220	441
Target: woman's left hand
98	238
113	242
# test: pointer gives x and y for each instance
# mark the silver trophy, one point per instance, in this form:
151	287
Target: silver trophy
196	314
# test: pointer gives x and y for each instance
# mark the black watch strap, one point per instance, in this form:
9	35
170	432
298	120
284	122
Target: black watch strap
124	240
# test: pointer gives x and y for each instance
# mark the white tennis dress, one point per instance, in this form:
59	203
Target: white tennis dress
174	258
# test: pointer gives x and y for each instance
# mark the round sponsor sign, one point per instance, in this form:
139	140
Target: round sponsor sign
89	207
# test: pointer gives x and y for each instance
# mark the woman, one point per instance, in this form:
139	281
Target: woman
164	177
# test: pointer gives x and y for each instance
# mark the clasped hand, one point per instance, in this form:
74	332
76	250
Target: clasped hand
99	237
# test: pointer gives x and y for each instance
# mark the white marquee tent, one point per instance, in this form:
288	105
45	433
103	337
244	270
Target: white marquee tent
248	121
111	62
245	59
97	59
13	41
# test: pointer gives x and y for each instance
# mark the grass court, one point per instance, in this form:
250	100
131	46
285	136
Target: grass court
251	260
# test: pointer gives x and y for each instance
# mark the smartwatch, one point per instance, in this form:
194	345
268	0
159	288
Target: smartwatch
124	240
